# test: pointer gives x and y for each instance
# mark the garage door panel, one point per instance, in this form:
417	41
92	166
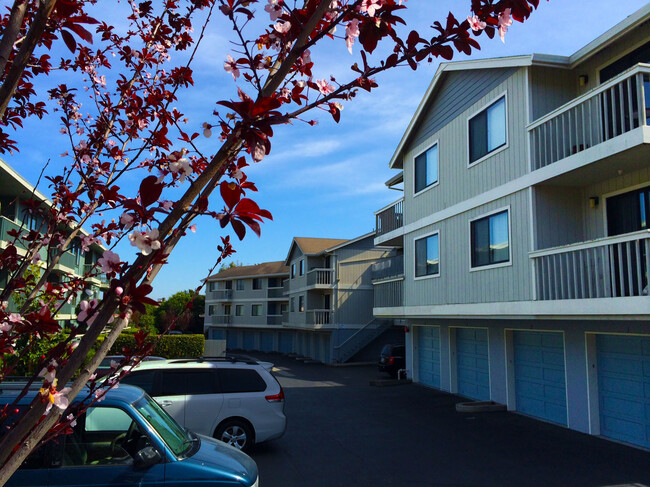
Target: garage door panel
472	363
429	355
624	387
540	388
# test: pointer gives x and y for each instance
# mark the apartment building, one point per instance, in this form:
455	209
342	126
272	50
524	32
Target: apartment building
522	243
317	303
14	191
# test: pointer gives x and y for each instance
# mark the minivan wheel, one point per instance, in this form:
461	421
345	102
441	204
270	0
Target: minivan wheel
236	433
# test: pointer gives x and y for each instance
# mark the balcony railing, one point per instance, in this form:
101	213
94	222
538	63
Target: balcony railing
389	294
324	277
614	108
318	317
274	320
285	318
5	226
220	294
390	218
604	268
388	268
285	286
221	319
275	292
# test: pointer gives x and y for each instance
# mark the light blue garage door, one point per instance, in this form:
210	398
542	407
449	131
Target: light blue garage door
286	342
624	388
249	340
429	355
266	341
232	340
540	388
473	369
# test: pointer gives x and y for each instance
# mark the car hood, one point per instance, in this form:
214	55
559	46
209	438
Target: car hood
214	461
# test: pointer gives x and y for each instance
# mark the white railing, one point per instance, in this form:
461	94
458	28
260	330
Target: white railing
220	294
221	319
390	218
614	108
318	316
603	268
324	277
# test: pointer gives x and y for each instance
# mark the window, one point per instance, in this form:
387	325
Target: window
144	380
212	286
426	169
228	284
490	240
275	282
240	380
239	284
301	303
427	256
283	308
293	270
256	310
302	267
227	311
257	283
487	130
239	310
628	212
211	310
293	304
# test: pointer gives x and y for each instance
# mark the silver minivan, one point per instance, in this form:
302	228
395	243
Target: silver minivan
236	401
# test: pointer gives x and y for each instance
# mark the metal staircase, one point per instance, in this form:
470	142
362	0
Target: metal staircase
362	337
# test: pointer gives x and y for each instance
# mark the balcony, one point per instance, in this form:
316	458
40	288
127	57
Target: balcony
275	292
617	107
220	319
389	294
219	295
390	218
389	268
604	268
285	287
274	319
318	317
320	277
5	226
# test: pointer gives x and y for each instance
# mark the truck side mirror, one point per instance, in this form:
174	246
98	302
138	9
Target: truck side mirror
147	457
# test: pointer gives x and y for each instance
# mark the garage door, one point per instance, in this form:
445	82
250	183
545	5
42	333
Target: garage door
266	341
232	340
624	388
286	342
540	388
473	369
249	340
429	355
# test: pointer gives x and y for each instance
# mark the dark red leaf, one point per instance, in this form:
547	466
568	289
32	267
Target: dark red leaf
150	190
231	193
69	40
239	228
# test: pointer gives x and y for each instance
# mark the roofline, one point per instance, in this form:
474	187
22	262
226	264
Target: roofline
611	35
349	242
214	278
293	242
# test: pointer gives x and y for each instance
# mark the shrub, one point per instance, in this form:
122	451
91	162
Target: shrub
168	346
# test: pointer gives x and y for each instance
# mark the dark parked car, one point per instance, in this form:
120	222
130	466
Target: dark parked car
391	359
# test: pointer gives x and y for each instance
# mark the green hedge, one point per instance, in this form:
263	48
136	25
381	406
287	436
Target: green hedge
169	346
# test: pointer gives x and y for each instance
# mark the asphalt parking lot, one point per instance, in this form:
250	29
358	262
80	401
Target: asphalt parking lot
343	432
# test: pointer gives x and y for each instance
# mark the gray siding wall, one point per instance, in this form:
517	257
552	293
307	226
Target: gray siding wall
456	283
550	88
354	307
558	216
455	95
457	182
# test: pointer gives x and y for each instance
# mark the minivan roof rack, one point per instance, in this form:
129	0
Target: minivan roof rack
226	358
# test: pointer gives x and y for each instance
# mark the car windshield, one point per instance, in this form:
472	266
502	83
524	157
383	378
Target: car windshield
177	439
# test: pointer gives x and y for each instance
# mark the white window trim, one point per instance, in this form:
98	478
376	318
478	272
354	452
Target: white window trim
428	276
432	185
470	164
500	264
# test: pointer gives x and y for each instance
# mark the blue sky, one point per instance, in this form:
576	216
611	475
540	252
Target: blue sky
327	180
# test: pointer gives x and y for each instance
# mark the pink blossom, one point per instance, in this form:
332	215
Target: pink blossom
87	308
371	6
231	67
109	262
207	130
36	258
146	242
283	27
119	290
5	327
49	373
306	56
475	23
351	31
193	228
324	87
15	318
167	205
505	21
86	242
71	420
274	8
58	399
126	220
180	166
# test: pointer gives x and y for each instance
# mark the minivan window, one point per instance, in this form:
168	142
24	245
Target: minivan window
240	380
188	381
177	439
144	380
